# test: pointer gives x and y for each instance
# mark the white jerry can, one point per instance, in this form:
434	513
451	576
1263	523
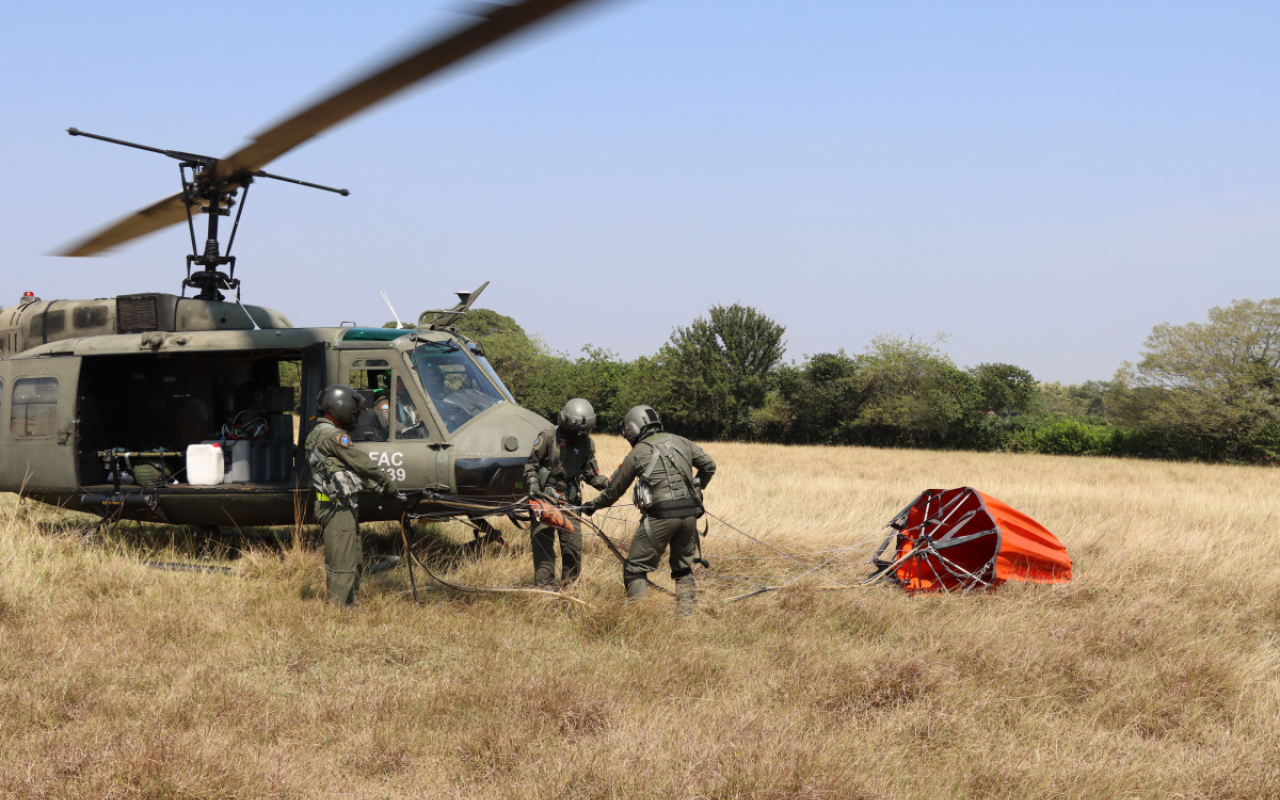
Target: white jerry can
204	464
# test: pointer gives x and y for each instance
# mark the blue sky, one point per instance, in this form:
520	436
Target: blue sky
1044	183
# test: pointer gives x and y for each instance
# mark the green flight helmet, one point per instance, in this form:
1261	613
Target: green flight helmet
637	421
343	402
577	416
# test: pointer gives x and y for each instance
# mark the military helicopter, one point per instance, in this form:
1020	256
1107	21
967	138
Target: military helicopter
105	398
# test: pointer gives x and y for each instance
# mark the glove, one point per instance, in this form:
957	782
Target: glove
588	509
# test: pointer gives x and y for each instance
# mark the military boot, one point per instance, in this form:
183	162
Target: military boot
686	595
637	586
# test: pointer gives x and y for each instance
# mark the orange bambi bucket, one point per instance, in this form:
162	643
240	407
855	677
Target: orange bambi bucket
548	514
962	539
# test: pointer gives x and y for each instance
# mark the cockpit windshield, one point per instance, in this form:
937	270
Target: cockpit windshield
457	387
493	375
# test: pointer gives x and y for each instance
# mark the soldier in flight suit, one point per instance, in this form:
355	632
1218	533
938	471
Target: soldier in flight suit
670	497
338	472
562	458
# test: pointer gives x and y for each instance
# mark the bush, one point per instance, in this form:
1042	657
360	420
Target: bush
1064	437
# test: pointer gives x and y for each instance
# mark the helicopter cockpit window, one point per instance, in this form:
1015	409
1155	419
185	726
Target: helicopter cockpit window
458	388
34	407
491	372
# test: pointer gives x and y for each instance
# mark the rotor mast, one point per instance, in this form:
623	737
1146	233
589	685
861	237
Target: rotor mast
205	193
208	279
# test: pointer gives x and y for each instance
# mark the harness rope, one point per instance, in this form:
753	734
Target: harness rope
518	510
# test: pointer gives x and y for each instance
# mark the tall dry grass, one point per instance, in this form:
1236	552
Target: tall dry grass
1154	674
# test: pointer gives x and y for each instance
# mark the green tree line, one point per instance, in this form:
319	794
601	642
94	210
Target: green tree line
1204	391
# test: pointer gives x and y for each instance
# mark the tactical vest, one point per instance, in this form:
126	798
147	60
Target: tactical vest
667	489
333	481
548	477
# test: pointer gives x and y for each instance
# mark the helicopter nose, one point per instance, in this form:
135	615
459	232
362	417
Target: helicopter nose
489	452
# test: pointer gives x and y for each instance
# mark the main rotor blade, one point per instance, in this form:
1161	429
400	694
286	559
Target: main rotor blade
168	211
500	22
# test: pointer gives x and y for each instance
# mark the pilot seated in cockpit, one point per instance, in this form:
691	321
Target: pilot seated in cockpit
407	422
378	420
367	426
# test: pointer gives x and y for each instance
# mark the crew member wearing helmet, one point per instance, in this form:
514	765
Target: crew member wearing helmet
339	472
563	458
669	494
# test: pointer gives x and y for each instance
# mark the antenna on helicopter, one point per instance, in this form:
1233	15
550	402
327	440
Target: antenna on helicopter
439	319
399	324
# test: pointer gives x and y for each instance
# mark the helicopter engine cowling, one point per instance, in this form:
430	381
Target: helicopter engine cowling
35	322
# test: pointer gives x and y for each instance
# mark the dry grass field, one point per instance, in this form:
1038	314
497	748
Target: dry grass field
1156	673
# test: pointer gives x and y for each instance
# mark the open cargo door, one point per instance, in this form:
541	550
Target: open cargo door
38	405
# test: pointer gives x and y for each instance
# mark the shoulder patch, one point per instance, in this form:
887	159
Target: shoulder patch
385	405
537	441
344	440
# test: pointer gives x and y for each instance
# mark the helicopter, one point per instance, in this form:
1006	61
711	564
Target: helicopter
106	400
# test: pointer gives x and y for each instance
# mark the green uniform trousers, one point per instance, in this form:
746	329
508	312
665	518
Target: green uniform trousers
343	554
543	538
653	536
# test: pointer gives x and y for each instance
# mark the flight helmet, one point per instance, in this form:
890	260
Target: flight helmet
343	402
638	421
577	416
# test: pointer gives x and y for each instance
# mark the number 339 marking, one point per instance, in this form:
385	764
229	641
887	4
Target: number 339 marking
396	474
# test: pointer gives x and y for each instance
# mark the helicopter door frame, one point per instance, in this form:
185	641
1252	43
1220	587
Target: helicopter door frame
47	458
409	462
313	379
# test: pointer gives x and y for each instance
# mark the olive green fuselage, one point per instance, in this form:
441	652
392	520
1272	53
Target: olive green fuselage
69	401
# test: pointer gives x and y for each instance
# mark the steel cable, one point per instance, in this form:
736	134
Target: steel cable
461	587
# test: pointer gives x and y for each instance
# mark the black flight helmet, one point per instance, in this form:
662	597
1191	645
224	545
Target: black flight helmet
343	402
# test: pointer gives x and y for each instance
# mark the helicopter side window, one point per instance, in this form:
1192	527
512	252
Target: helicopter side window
34	407
373	424
409	421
